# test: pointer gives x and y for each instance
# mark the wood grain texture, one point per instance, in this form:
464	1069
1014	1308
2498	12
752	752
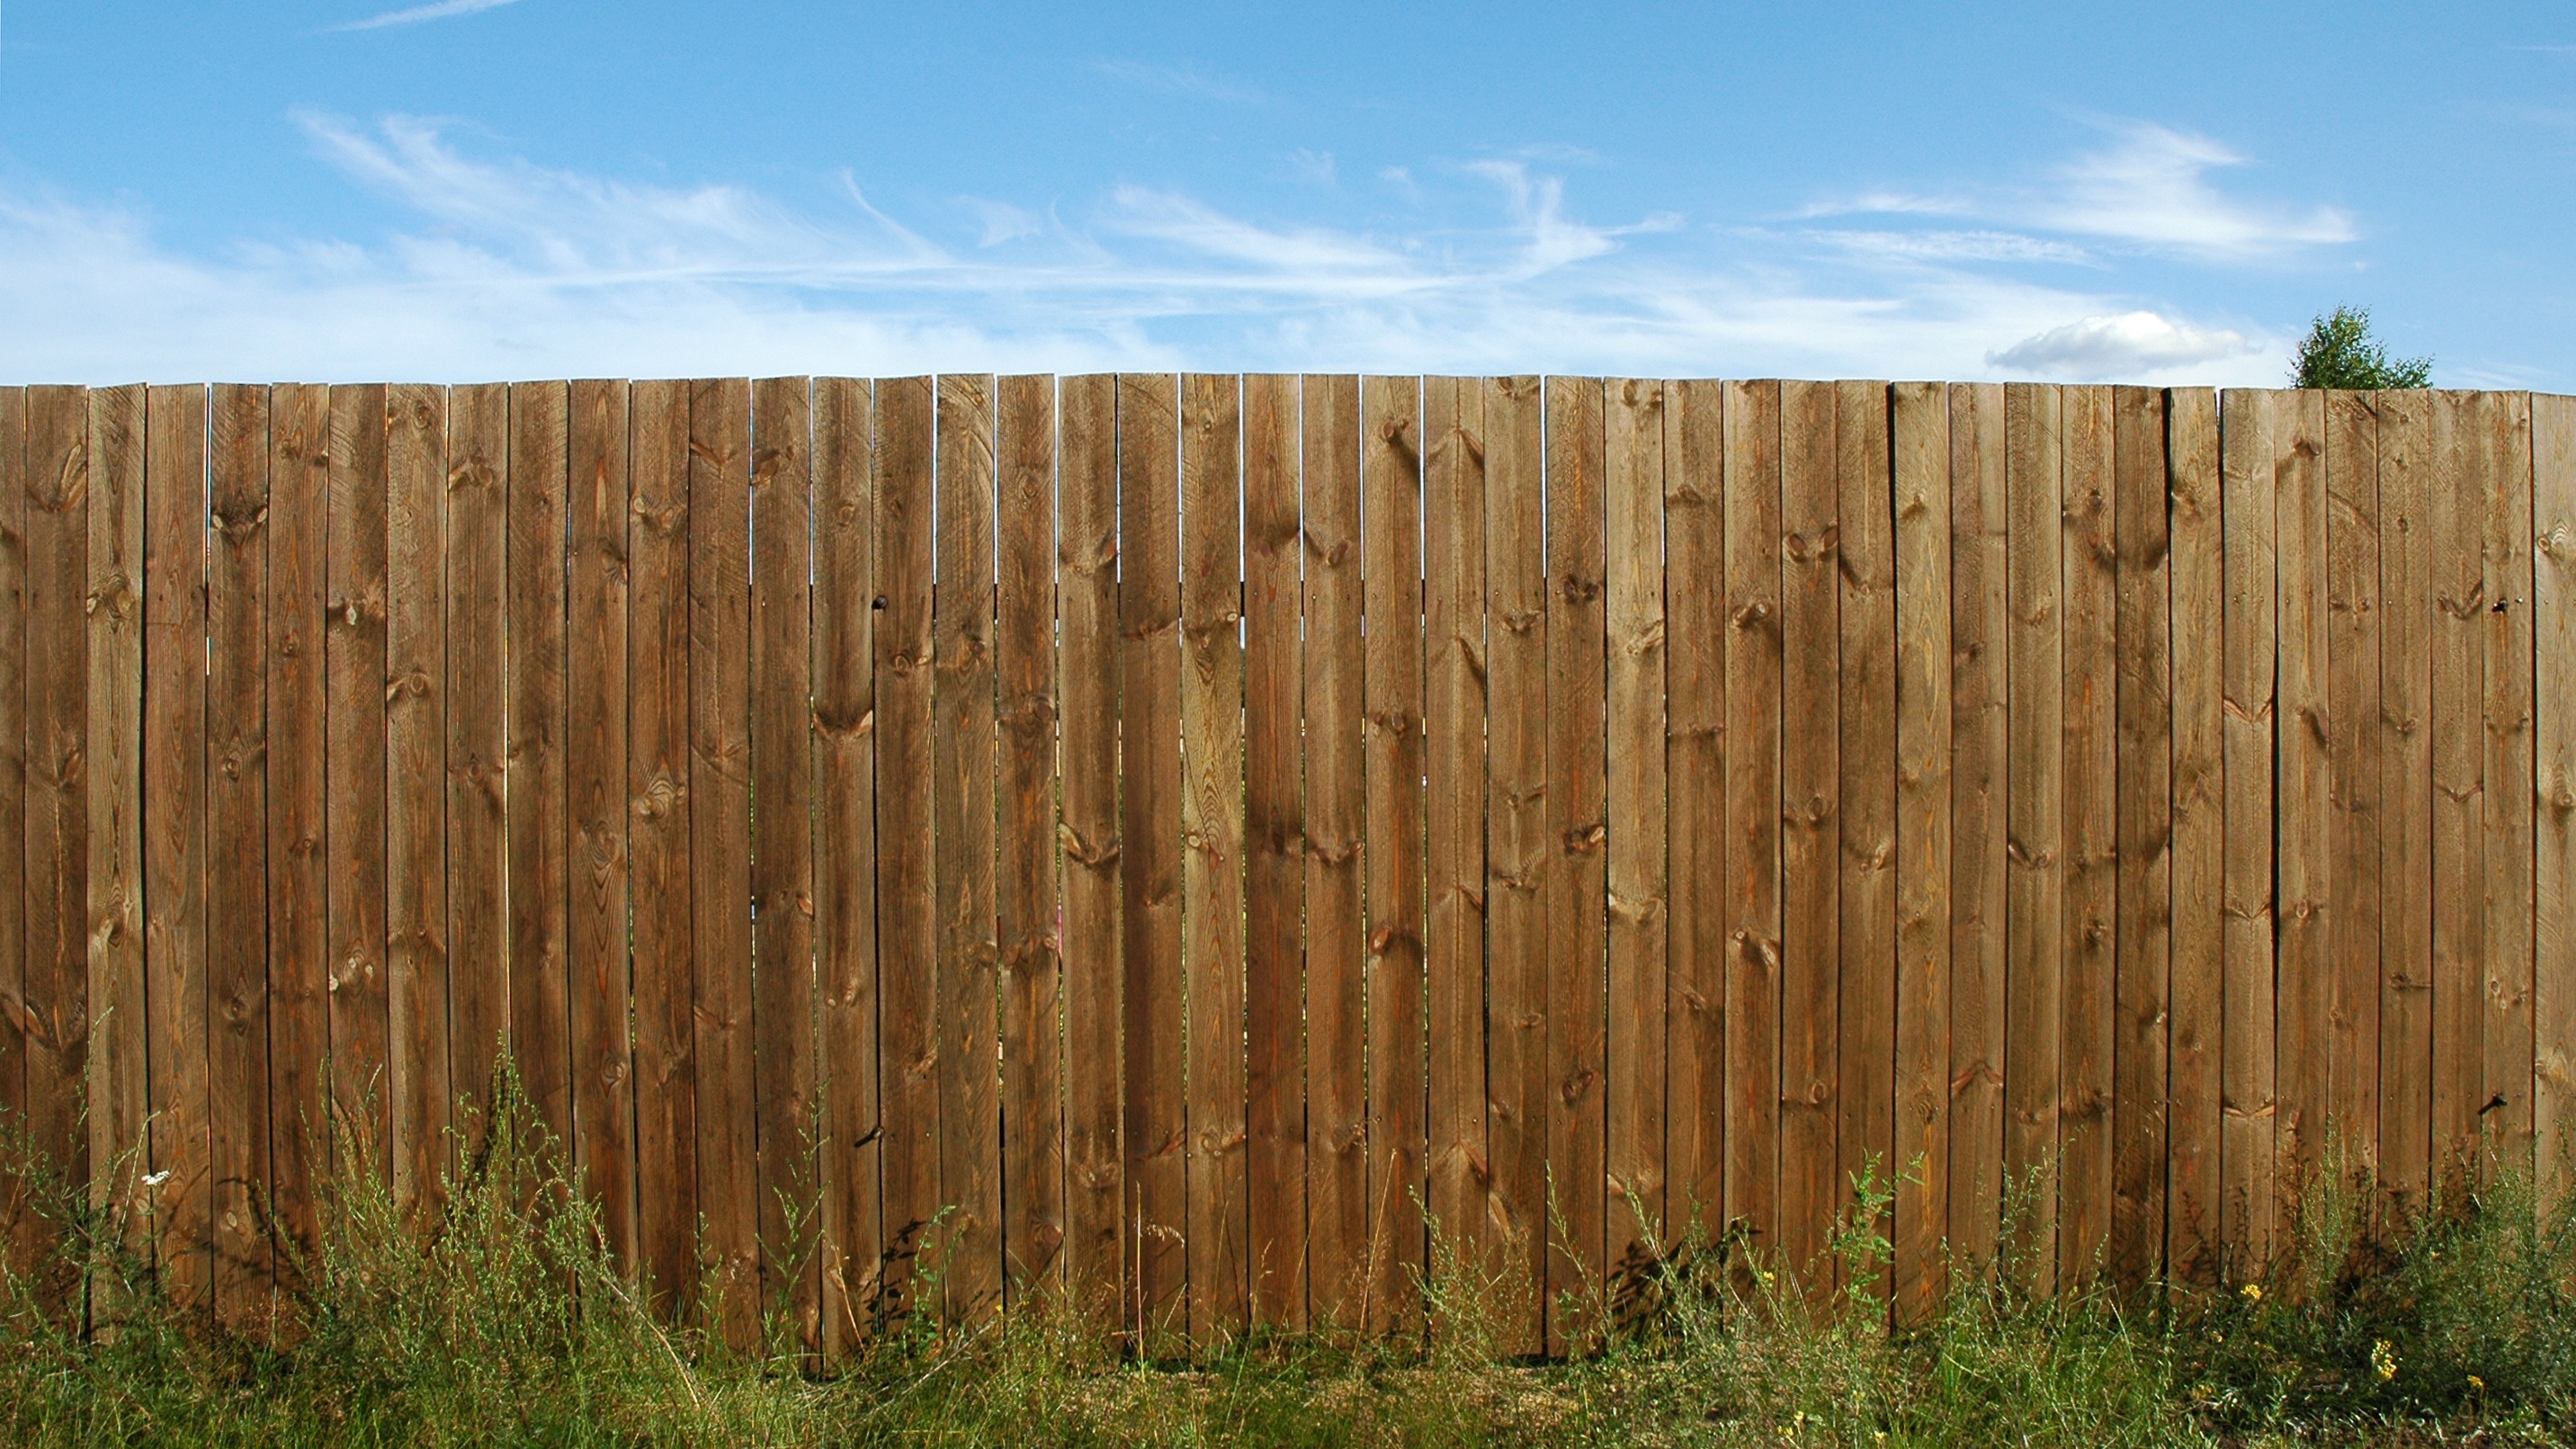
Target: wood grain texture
2406	794
1980	742
658	834
1633	469
2459	778
2246	462
478	994
2034	812
845	855
117	1093
2506	554
416	789
354	838
1695	826
175	799
1336	1091
1391	583
1518	851
2306	898
1753	820
1212	840
1810	830
1577	944
536	798
1274	818
2553	617
907	927
299	1141
782	859
53	1003
1919	429
2193	1124
2142	999
1865	1143
596	507
1087	565
1459	1163
1149	618
2353	737
2089	563
237	848
18	1222
1031	964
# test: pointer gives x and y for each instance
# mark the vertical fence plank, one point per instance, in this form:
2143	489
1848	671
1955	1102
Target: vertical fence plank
478	1000
2193	1126
1212	837
845	856
1865	552
353	645
1811	829
1638	1053
1695	865
2353	713
2091	836
118	1094
538	806
1577	730
2140	1044
2304	815
2459	762
2505	1102
595	699
1336	1092
1980	627
1459	1165
1087	554
1149	607
1032	1129
2553	620
18	1221
1391	584
54	1001
658	835
416	788
174	834
1274	810
1754	667
2246	461
1518	851
2034	794
299	1146
237	853
782	863
2406	584
1919	1162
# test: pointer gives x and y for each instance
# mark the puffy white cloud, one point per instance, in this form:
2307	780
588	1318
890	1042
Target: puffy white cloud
2131	346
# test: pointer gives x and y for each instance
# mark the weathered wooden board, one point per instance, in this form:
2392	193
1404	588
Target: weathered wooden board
2193	1127
478	988
2248	428
2142	1005
536	797
2089	564
1695	826
1025	876
1391	589
2353	737
1459	1164
1753	817
118	1093
298	887
2035	822
601	1027
236	838
1633	472
53	1001
1919	426
2405	1084
2304	829
2457	721
1336	1090
2504	1105
1810	830
1980	742
907	927
354	837
1865	550
2553	616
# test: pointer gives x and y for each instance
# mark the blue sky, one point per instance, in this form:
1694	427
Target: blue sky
338	189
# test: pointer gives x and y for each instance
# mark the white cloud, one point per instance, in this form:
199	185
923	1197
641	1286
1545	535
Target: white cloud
1956	246
1180	80
2131	346
441	10
1315	167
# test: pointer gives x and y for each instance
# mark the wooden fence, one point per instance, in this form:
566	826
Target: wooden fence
1204	841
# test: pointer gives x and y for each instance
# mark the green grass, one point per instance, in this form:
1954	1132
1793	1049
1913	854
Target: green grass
502	1321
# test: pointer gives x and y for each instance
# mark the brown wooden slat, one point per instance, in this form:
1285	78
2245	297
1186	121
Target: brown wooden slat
782	862
1753	676
1695	895
2405	1083
1274	810
1087	572
1919	425
13	801
2247	451
1811	831
54	1001
1032	965
2193	1129
299	1023
2459	779
1633	424
845	857
963	740
1149	609
478	984
596	506
659	805
907	929
1458	1166
536	799
237	851
1212	836
2034	812
117	1093
2087	1030
2553	614
1336	1091
1866	610
354	840
1980	633
174	835
2352	685
416	789
2142	993
1391	584
1518	852
2505	1104
2304	883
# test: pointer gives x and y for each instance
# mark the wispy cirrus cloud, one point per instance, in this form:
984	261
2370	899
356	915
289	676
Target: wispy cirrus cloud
414	15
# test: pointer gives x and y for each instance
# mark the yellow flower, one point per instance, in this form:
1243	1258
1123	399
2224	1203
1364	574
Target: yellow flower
2253	1292
2477	1383
2383	1360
